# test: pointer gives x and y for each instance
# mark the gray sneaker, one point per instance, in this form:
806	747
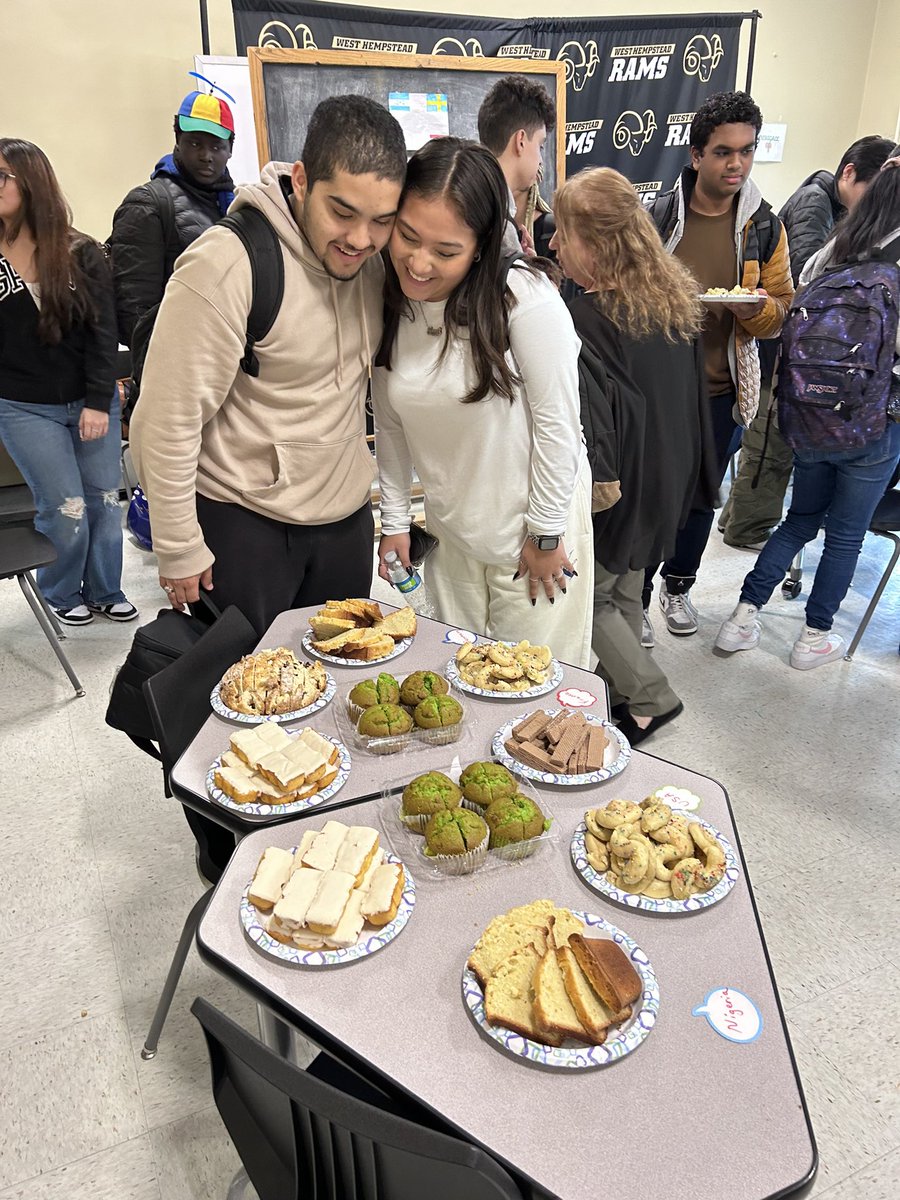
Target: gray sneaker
648	639
681	616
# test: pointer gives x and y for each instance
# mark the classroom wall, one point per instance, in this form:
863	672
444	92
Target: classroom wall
95	83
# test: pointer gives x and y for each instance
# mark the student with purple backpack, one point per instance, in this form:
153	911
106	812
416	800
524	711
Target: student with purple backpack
838	409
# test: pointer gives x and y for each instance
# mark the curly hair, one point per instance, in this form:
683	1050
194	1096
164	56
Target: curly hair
724	108
639	287
514	103
356	135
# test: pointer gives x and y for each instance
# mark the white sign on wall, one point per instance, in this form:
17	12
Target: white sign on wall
233	76
771	143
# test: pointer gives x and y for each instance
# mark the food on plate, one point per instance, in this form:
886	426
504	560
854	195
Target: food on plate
437	712
383	690
514	819
552	1011
501	667
420	685
428	794
456	831
539	922
649	850
322	894
593	1013
735	291
271	682
561	744
507	995
385	720
611	973
266	765
358	629
484	782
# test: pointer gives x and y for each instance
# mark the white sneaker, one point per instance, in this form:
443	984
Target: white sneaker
740	631
681	616
814	648
648	638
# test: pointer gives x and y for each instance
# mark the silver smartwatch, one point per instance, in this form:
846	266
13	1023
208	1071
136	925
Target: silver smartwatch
545	541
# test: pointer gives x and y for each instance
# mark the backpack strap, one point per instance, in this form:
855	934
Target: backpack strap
166	207
890	252
267	271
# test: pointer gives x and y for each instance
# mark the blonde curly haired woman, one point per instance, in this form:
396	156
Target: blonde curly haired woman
640	314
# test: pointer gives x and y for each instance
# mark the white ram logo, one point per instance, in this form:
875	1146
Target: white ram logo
702	56
634	131
451	45
581	62
268	36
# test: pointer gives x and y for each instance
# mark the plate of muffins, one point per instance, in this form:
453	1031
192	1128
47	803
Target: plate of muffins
384	715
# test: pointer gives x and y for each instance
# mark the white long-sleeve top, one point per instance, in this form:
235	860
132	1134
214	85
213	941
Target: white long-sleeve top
491	471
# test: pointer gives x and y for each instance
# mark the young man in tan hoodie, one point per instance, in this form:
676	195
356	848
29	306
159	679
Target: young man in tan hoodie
259	486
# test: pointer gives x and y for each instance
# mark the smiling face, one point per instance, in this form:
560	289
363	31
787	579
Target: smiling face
724	164
347	218
432	248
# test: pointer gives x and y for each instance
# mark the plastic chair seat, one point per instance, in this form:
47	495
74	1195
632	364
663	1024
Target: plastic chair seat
23	549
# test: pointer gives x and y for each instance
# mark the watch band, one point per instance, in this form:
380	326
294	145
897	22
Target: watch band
545	541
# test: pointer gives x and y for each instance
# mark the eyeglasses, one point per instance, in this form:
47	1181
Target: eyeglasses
4	175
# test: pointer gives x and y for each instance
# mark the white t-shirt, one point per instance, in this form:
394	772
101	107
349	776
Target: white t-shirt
491	471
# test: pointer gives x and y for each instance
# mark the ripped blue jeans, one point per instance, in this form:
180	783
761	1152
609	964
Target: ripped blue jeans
76	493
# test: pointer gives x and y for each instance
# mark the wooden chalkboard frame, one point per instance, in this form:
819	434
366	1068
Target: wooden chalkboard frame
258	56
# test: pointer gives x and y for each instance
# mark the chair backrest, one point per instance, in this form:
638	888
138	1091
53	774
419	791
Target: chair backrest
298	1137
178	696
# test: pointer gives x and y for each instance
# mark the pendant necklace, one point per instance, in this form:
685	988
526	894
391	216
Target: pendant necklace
431	330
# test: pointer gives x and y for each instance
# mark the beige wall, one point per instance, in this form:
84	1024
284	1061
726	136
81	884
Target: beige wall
95	83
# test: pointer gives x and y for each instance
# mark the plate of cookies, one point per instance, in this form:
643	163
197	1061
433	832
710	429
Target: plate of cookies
271	685
268	772
355	633
561	988
501	670
654	858
336	898
563	747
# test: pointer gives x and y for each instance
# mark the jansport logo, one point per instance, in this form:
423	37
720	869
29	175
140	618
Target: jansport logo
580	135
702	56
821	389
581	62
679	129
273	33
634	130
640	62
451	45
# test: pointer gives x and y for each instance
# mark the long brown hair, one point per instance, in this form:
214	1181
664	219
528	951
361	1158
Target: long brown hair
65	299
639	287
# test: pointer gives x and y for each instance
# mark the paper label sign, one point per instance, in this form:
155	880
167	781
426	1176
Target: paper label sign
731	1014
459	637
422	116
576	698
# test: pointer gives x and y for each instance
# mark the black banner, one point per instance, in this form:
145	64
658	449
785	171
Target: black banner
632	83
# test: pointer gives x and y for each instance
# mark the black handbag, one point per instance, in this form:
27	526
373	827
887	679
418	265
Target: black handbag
421	544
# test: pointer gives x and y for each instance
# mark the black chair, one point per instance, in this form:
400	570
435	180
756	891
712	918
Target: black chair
885	523
300	1137
178	700
23	550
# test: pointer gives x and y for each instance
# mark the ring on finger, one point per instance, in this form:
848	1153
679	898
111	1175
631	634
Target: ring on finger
167	587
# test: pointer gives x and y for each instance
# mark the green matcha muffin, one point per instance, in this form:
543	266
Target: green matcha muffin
514	819
456	840
437	712
426	795
484	782
384	720
383	690
422	684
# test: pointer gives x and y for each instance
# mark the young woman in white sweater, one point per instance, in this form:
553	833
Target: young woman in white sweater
476	386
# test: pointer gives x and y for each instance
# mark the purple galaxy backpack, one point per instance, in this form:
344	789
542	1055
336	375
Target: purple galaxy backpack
838	346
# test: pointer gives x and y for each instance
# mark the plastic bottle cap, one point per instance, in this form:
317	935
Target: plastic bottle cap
391	556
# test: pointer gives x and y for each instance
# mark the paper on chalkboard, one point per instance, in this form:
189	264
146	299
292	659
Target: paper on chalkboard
422	116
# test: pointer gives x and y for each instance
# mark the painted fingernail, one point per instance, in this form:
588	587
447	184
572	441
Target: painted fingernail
516	576
563	590
552	599
533	602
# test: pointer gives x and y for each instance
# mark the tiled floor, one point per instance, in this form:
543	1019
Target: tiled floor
99	874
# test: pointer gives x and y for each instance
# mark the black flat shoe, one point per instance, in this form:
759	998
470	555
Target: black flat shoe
619	712
636	735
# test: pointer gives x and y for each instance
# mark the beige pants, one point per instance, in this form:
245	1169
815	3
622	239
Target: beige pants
483	597
633	676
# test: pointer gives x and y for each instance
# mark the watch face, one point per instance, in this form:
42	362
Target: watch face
547	543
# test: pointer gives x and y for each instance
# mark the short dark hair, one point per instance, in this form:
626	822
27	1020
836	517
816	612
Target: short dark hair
867	154
353	134
514	103
724	108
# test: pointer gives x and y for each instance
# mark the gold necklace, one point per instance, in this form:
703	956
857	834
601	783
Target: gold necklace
431	330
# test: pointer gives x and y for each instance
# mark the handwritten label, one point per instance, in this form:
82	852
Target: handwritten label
731	1014
678	798
459	637
576	698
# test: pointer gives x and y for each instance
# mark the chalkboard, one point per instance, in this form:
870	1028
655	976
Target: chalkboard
288	84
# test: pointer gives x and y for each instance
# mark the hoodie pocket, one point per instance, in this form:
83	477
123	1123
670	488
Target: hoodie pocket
317	482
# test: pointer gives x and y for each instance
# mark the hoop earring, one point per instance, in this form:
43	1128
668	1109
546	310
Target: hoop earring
477	257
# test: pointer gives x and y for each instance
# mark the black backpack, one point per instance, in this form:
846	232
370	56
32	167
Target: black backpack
267	269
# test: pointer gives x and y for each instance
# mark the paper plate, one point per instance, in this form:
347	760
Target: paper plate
399	648
231	714
280	810
739	299
616	756
554	679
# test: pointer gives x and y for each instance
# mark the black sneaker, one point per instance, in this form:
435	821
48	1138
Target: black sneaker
123	611
79	614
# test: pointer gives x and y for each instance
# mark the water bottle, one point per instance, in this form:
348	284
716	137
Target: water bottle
409	584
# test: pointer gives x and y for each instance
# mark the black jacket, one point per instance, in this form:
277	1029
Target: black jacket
151	227
664	444
809	217
83	365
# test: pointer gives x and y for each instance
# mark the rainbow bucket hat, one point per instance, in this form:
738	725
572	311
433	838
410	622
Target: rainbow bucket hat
207	114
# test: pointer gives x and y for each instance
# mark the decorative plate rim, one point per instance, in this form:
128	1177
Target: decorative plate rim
399	648
700	900
345	762
618	764
451	674
230	714
621	1043
294	956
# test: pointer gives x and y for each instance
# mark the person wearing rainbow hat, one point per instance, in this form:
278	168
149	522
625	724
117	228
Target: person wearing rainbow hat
189	190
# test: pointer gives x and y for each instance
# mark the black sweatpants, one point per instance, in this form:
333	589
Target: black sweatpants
265	566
